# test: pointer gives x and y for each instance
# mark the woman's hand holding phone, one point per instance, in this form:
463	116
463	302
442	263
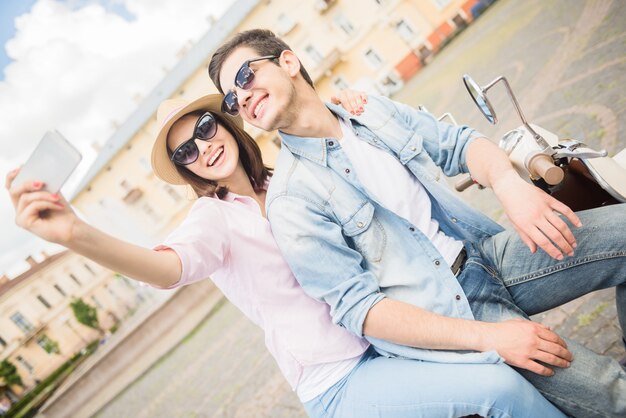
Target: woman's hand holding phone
47	215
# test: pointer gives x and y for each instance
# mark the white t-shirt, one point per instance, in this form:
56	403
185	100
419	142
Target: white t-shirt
399	191
394	187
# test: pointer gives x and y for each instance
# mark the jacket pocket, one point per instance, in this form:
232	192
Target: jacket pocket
413	147
366	232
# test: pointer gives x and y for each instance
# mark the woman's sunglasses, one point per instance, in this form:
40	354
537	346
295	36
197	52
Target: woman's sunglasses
243	80
188	152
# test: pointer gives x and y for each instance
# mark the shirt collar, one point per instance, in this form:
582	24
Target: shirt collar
313	149
232	197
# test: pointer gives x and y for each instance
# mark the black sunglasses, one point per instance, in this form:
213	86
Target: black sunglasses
243	80
188	152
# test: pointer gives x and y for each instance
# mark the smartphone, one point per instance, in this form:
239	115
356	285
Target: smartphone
52	162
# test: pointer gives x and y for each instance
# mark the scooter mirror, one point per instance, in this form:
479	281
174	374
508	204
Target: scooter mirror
479	97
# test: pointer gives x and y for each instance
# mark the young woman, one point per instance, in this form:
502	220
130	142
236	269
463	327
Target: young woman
226	237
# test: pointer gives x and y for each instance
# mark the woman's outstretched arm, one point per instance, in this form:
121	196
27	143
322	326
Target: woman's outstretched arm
50	217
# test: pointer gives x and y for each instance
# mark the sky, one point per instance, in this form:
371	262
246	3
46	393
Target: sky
81	67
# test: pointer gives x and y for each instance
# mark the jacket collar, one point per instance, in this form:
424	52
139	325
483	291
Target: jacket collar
313	149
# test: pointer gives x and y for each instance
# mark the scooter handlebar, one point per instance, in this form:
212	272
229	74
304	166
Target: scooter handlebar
541	165
464	183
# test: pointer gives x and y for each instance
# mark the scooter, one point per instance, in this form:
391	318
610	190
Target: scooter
567	169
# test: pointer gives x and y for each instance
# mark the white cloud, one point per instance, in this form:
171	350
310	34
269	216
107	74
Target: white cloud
77	67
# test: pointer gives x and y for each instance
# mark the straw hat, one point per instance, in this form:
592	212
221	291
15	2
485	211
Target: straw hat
168	113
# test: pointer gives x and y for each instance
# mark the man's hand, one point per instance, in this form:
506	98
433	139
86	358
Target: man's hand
523	343
533	214
531	211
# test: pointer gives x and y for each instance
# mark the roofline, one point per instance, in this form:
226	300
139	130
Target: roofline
28	274
220	30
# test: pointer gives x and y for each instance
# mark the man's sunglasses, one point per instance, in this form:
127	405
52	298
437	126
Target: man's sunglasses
188	152
244	80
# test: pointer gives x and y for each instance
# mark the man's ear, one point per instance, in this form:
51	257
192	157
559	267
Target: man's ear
289	62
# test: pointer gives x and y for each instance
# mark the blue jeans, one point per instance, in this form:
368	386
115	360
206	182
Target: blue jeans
382	387
503	280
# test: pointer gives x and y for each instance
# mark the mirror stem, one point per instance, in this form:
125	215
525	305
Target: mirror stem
538	138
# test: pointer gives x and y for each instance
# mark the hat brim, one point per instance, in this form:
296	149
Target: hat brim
162	166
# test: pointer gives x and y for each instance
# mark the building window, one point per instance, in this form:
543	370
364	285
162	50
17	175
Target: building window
373	59
124	185
405	30
89	269
22	323
342	21
75	280
48	345
111	292
151	212
322	5
390	84
145	164
25	364
58	288
2	342
133	196
171	192
97	302
340	83
285	24
315	55
43	301
441	3
424	52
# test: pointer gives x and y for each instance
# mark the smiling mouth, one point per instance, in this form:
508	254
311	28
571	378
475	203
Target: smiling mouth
216	156
259	107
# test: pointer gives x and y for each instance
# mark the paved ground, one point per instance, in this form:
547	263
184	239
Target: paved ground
567	61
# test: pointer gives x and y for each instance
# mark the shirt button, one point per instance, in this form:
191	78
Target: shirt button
347	170
413	148
360	224
437	262
331	143
453	220
458	297
411	229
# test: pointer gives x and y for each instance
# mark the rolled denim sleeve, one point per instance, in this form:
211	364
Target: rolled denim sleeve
445	143
328	270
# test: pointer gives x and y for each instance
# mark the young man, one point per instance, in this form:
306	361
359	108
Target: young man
368	225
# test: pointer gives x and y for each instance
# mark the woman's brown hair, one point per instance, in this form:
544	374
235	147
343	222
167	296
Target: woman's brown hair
249	155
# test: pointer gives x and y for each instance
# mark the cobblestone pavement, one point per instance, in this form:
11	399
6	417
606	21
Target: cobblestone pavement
566	61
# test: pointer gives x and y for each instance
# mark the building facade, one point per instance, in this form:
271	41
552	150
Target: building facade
371	45
38	329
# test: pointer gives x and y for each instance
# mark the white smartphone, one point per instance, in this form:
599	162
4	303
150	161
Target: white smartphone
52	162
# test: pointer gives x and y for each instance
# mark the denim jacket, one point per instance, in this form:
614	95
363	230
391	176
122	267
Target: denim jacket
349	251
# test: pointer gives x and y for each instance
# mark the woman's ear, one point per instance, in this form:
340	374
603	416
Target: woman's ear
289	62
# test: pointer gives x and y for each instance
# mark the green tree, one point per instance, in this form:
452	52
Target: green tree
50	346
8	372
85	314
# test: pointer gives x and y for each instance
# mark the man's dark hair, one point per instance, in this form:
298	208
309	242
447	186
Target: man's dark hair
263	41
